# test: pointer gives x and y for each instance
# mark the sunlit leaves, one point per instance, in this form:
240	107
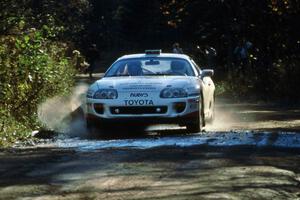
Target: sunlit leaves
174	11
283	6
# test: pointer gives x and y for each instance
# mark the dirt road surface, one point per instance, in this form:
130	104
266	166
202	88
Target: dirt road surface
252	151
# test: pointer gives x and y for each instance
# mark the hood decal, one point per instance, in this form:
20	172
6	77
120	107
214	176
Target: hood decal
140	86
145	84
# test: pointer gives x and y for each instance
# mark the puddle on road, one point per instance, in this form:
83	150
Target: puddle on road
230	117
213	139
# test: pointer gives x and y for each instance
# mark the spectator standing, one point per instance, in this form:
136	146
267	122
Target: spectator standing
177	49
241	54
94	55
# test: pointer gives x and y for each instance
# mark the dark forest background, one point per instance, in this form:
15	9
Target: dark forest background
44	43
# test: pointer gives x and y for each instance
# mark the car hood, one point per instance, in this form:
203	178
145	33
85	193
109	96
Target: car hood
156	83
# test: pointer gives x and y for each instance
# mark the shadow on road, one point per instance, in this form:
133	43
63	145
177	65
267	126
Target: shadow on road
160	173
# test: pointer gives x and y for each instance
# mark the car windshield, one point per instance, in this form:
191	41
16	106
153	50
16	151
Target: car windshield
151	67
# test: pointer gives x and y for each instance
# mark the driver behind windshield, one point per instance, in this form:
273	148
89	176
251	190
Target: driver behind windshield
146	67
133	68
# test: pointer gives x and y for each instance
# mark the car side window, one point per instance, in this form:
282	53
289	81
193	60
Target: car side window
198	70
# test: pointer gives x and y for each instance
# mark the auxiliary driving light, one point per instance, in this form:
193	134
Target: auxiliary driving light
99	108
179	107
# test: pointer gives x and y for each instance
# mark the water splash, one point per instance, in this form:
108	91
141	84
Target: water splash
62	113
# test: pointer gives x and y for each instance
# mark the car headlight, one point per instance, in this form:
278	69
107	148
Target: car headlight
106	94
173	93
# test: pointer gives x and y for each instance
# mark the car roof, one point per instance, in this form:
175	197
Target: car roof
161	55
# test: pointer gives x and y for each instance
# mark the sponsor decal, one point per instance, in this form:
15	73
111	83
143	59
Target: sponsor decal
139	94
138	103
139	88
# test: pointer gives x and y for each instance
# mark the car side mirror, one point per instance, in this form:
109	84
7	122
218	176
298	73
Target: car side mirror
207	72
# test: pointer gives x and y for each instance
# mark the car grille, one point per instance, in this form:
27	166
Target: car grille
136	110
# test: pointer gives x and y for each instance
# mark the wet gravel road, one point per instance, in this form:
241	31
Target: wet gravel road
197	172
251	152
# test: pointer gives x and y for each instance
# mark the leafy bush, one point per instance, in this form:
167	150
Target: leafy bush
32	69
11	131
37	61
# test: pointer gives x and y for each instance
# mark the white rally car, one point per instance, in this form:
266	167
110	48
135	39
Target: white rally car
152	88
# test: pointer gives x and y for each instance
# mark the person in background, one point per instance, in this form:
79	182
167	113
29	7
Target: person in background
94	55
241	54
177	49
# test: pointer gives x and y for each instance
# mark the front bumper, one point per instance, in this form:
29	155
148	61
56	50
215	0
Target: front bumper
181	120
163	111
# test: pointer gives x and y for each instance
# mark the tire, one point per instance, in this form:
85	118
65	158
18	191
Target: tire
198	122
213	113
194	127
91	128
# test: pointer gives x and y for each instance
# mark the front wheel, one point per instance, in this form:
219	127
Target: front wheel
194	127
197	123
92	128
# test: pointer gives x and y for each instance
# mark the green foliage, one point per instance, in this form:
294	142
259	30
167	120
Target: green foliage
32	69
12	131
35	63
61	18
